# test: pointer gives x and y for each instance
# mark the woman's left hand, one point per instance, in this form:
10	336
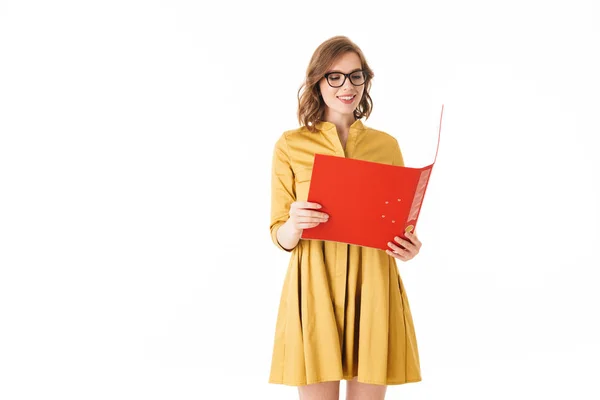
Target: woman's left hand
408	250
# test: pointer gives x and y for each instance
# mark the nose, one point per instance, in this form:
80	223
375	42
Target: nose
348	84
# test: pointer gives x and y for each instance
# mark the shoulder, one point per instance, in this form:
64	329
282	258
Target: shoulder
292	135
381	136
297	133
388	145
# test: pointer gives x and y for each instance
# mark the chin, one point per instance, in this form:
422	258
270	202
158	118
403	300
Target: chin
347	112
344	110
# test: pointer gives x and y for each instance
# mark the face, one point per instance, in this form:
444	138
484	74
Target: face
347	63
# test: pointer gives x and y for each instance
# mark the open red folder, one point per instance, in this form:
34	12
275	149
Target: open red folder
368	203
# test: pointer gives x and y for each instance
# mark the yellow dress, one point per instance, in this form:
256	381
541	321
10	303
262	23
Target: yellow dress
343	310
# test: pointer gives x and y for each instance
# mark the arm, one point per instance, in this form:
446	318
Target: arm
283	234
398	159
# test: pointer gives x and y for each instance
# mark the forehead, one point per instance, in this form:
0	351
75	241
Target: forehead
346	62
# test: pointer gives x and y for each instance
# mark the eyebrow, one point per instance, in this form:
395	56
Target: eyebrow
354	70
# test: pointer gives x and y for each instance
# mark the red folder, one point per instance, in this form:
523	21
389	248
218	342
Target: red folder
368	203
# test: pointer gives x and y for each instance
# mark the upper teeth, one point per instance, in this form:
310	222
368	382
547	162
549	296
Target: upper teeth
347	97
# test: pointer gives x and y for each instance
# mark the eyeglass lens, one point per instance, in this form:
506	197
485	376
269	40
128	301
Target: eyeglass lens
337	79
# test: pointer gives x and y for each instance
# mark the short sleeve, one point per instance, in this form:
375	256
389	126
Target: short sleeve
282	189
397	159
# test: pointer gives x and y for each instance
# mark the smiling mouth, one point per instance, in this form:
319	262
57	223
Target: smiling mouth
347	99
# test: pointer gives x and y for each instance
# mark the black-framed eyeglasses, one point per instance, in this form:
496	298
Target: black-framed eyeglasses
337	79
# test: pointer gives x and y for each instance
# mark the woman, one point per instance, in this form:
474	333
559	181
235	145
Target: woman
344	313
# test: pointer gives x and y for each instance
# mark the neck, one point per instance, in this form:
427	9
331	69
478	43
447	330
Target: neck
342	122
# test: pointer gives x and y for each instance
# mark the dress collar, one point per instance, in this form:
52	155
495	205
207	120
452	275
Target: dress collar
326	126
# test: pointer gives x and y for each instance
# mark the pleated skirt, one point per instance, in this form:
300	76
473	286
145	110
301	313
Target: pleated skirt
343	313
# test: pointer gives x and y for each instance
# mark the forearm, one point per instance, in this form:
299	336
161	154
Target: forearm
287	236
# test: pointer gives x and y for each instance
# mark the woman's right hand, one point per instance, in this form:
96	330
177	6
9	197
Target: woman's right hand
304	216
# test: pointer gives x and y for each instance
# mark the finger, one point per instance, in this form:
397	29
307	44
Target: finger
307	225
413	238
308	204
309	216
311	219
406	244
404	257
397	256
405	254
311	213
398	250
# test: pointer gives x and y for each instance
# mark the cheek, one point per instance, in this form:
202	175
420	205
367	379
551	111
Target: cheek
328	96
323	88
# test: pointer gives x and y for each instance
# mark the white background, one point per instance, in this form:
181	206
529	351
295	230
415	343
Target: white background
135	153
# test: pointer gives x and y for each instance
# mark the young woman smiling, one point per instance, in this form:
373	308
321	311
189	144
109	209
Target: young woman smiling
344	312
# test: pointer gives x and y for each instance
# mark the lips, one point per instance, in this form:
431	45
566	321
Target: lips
349	101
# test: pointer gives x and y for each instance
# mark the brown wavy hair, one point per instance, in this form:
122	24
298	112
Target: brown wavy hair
311	106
